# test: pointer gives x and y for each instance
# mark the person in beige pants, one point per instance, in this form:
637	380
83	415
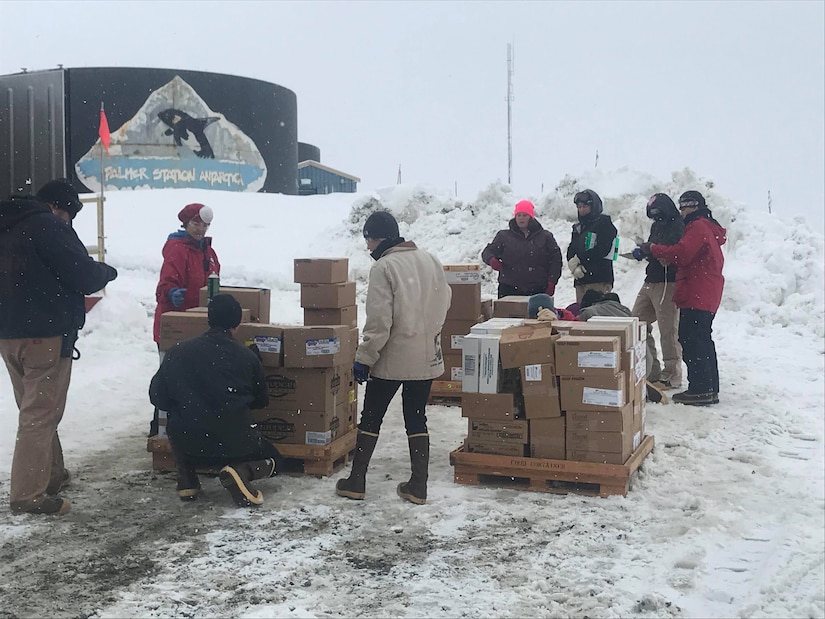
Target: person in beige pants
47	272
654	303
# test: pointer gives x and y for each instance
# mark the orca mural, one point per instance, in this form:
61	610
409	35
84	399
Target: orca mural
175	140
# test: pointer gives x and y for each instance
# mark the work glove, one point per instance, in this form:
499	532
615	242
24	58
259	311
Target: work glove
546	314
644	249
361	372
551	288
576	268
495	263
176	296
637	253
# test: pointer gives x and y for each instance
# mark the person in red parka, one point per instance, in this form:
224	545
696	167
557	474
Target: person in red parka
188	260
526	256
698	294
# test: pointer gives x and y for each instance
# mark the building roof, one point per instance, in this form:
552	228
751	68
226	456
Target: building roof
315	164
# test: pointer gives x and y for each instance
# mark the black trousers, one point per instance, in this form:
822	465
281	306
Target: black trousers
379	394
266	450
506	290
698	350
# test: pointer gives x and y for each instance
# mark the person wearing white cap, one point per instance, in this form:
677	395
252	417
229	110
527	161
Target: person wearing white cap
188	261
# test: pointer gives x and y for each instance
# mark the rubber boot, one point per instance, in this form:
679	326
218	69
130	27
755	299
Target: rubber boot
354	486
415	490
189	486
236	479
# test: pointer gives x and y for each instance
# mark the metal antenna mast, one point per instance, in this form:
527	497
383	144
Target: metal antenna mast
509	113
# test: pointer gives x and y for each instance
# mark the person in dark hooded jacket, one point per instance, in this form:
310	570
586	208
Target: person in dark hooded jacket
592	246
209	385
526	256
654	303
699	284
45	271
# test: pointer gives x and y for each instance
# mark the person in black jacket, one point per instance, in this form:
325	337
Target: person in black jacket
208	385
654	303
592	246
45	271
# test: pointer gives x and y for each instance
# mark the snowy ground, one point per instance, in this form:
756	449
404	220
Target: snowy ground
726	517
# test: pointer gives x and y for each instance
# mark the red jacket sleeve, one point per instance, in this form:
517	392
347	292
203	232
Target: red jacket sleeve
684	252
173	271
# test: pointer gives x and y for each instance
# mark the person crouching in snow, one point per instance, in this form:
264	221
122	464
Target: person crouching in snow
526	256
542	307
698	294
208	385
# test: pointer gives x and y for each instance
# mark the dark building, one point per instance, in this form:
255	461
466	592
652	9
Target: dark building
315	178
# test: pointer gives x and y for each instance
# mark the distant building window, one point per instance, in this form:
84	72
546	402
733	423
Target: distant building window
306	181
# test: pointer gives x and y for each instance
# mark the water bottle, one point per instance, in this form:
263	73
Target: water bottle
213	285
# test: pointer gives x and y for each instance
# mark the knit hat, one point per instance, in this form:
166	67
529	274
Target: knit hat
591	297
224	312
381	225
692	198
538	301
524	206
62	195
195	211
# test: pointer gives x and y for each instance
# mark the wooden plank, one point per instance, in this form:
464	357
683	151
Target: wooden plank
446	387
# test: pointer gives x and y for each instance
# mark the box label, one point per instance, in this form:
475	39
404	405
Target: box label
456	374
602	397
597	359
456	342
319	438
266	343
326	346
532	372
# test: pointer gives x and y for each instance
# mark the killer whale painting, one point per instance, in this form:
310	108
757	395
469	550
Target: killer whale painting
174	141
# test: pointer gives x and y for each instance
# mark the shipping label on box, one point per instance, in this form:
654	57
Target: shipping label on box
267	338
465	302
522	346
316	347
321	270
486	430
578	355
592	392
256	300
462	273
470	351
453	332
328	296
326	346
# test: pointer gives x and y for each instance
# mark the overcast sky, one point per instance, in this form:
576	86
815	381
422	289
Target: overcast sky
733	90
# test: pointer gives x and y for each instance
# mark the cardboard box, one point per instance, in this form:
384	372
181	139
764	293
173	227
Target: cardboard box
511	307
599	457
294	389
321	270
501	406
328	296
520	346
625	332
539	386
453	368
347	315
578	355
353	339
602	421
452	334
491	431
470	351
606	442
495	326
593	393
178	326
547	438
486	309
316	347
499	449
304	427
256	300
562	327
632	321
465	302
462	273
269	339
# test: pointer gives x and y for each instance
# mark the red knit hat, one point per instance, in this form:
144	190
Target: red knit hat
195	211
525	206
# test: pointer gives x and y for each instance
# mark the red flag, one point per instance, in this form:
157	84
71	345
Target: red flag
103	132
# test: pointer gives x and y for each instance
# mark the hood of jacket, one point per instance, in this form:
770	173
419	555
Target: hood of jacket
533	226
12	212
704	213
596	208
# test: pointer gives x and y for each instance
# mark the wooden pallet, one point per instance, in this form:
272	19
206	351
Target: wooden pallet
543	475
445	393
318	460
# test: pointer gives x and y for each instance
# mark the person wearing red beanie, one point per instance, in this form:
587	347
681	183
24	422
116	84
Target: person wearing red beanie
526	256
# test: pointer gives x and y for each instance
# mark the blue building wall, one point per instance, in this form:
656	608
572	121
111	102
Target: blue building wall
323	182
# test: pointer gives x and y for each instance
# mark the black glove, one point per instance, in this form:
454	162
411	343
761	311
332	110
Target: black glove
254	348
645	249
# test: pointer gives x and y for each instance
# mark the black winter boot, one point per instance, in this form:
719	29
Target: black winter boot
415	490
189	486
354	486
236	479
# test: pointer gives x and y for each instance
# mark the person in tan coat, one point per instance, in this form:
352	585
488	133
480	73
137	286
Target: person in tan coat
407	302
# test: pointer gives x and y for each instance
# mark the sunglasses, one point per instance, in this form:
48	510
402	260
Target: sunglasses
688	204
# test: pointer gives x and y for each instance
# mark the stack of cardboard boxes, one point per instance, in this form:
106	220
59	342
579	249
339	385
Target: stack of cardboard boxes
308	369
556	390
466	309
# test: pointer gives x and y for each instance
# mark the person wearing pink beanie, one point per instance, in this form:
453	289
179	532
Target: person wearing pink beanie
526	256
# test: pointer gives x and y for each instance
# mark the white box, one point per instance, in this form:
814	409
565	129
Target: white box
489	365
623	320
494	326
470	349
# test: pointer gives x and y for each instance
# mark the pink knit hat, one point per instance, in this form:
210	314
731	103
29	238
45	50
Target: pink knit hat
195	211
525	206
